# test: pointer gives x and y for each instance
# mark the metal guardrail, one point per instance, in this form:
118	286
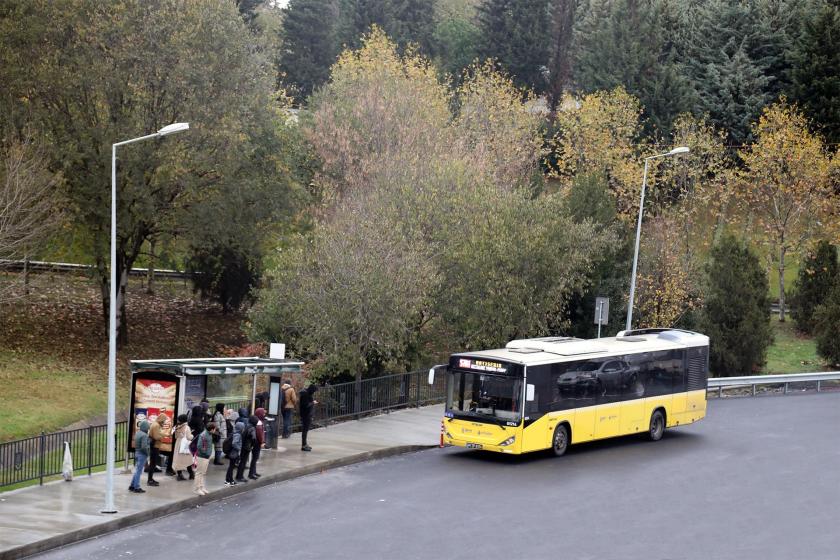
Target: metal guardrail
42	456
721	383
42	266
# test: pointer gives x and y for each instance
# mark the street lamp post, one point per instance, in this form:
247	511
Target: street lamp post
675	151
112	321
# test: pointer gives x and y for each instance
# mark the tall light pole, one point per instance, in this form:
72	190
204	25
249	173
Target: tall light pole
112	321
675	151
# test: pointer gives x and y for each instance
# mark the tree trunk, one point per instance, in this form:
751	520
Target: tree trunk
782	284
26	276
560	65
150	272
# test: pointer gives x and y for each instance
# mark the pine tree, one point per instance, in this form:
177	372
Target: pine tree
816	70
310	45
516	33
736	58
404	21
735	313
817	274
632	43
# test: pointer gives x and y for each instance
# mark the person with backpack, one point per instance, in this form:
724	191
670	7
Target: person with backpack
221	431
249	438
234	452
288	403
203	452
141	453
307	410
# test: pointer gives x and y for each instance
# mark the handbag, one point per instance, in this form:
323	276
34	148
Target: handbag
185	447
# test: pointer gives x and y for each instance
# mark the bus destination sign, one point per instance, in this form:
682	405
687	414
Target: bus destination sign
481	365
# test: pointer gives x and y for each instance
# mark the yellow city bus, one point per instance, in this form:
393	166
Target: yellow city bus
548	393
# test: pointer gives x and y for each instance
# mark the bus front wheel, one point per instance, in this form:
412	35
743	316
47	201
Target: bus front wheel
560	441
657	426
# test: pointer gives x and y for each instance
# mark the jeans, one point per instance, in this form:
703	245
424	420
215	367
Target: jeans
230	469
243	460
305	421
255	456
200	475
139	463
287	422
154	458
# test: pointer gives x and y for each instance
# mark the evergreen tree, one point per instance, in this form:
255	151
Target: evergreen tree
827	325
817	274
631	43
516	33
455	39
735	313
310	45
736	58
816	70
404	21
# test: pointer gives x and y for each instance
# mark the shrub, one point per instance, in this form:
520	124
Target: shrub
736	309
827	325
817	275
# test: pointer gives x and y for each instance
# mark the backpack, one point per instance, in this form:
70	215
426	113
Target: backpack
283	399
227	445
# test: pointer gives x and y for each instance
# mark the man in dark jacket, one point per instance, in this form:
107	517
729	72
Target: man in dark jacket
307	410
249	438
257	422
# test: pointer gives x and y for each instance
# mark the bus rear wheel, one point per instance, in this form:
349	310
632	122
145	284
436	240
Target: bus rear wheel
657	426
560	441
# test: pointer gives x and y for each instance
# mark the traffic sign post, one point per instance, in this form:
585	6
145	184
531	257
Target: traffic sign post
602	312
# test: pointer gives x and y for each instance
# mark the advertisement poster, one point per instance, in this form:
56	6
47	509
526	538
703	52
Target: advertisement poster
153	397
193	390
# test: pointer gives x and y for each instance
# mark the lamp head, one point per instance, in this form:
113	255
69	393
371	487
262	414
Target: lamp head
173	128
680	150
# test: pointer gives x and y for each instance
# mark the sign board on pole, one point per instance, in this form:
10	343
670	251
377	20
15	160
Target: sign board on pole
602	310
277	351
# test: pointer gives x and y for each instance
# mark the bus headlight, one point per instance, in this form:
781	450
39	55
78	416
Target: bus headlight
508	441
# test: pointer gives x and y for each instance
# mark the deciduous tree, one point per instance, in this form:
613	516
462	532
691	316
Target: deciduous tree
785	184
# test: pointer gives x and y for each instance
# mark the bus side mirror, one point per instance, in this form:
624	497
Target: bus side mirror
432	373
529	392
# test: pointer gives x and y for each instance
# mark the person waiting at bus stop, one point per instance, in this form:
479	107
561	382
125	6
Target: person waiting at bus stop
141	453
156	436
307	410
289	403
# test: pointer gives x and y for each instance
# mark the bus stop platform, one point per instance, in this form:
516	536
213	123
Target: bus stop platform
40	518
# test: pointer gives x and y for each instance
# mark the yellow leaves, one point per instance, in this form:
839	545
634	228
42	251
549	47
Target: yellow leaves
599	132
785	183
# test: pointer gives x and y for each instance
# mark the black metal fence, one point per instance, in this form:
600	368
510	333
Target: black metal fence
39	457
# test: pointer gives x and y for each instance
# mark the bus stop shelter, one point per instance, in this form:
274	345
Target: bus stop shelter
172	387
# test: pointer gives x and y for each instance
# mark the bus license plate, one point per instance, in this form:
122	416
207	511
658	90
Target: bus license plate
473	446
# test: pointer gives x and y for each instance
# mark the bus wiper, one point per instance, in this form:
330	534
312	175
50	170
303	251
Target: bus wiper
496	420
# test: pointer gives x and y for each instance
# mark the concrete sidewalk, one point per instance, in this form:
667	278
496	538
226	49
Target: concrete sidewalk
40	518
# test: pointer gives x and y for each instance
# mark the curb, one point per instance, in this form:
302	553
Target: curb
101	529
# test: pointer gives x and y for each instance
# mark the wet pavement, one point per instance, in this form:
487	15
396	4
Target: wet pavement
38	518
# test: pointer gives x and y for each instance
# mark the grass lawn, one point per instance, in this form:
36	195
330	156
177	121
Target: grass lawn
54	346
791	352
42	394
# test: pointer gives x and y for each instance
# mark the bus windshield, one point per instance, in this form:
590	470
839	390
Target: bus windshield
495	398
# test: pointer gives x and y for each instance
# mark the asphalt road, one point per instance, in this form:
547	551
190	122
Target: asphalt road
759	478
